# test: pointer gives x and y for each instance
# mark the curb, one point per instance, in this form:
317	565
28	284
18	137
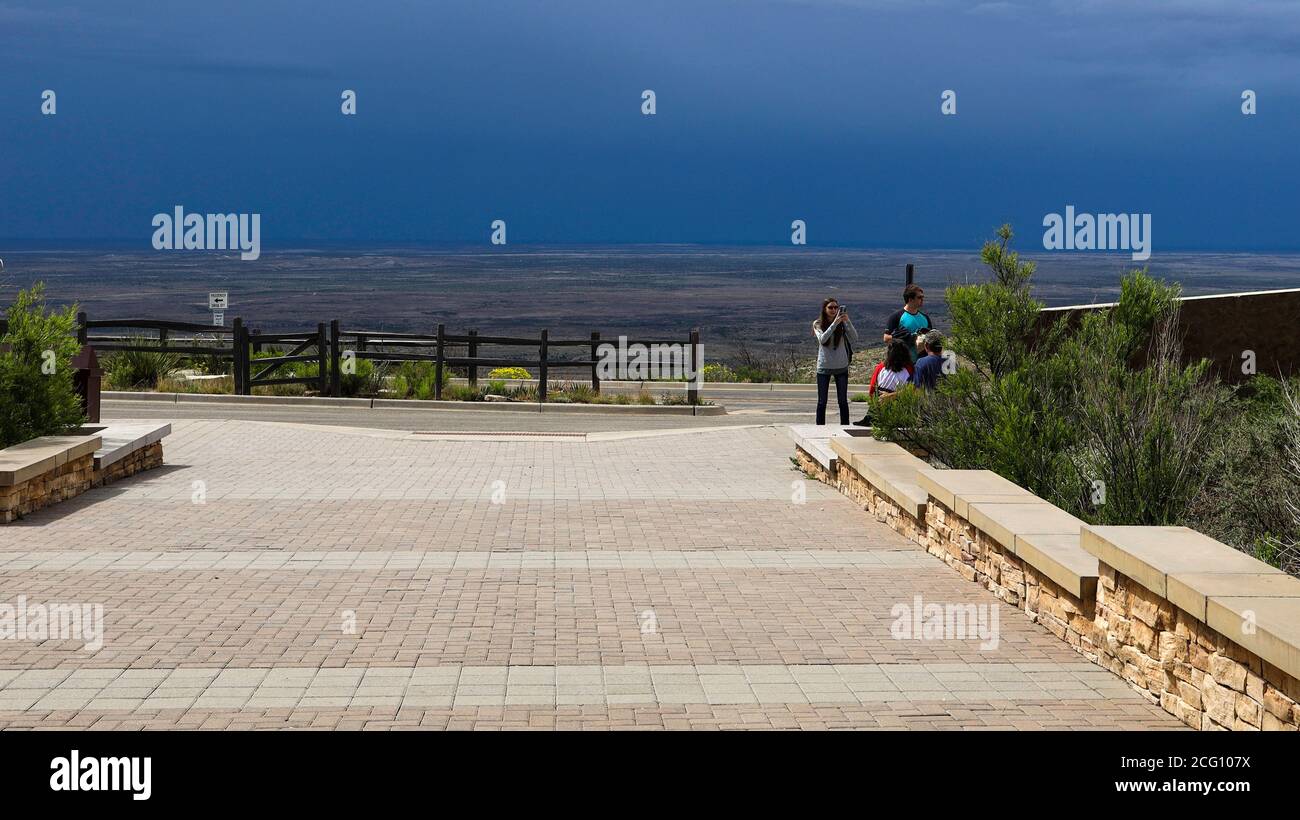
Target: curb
413	404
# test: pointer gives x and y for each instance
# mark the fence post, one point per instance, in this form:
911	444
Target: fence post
81	328
595	373
322	374
257	345
473	352
335	378
162	337
437	369
692	388
910	271
238	350
541	371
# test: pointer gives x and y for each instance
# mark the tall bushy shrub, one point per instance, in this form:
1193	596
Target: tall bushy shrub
1252	497
1147	435
37	397
1068	411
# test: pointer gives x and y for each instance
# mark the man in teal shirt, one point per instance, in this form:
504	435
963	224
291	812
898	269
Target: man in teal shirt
909	322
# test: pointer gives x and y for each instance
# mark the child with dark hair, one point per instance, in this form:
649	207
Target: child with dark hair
894	372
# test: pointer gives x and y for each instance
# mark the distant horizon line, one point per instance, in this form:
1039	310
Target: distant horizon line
299	245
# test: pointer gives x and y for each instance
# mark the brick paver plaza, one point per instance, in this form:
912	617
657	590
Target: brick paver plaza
276	575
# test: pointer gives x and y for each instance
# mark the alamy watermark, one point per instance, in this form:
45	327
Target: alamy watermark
1101	232
53	622
75	773
656	361
179	231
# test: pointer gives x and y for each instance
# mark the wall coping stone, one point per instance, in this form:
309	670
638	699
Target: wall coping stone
1274	632
1004	521
1149	555
848	446
120	440
28	459
956	489
815	440
895	477
1059	557
1191	591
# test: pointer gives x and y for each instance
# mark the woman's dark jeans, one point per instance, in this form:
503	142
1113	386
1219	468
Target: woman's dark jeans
841	394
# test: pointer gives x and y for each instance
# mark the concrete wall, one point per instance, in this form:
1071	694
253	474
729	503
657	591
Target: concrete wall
1221	327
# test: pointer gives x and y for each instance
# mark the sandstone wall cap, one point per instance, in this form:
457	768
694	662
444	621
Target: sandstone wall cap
1191	590
957	489
1149	555
1004	521
1269	627
1059	557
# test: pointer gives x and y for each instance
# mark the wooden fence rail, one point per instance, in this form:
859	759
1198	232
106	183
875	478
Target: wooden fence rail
328	346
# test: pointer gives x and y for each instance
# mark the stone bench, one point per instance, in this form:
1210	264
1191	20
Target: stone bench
44	471
814	441
128	448
29	459
1211	632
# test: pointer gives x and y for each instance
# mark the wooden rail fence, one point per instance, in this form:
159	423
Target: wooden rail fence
328	348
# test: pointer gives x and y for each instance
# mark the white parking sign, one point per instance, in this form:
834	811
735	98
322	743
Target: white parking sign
217	301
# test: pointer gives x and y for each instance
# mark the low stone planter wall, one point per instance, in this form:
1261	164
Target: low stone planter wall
146	458
1212	647
50	469
1144	602
72	478
980	558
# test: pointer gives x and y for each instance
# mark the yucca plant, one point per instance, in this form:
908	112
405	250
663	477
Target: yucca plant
140	369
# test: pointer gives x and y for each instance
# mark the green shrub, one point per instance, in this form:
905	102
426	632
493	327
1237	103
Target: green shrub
580	393
1252	496
210	364
453	392
364	382
37	397
222	386
715	372
754	374
509	373
139	369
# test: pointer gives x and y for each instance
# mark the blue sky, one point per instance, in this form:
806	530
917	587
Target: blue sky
768	111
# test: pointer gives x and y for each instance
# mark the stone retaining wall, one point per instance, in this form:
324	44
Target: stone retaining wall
146	458
1194	672
1176	660
980	558
58	484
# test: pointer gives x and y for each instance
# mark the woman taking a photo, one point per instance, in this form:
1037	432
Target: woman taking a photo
835	335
